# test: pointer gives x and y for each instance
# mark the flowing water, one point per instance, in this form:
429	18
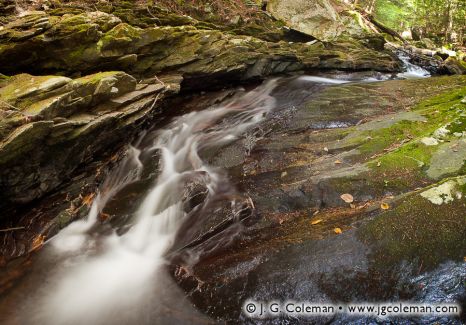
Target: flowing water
116	272
101	276
412	71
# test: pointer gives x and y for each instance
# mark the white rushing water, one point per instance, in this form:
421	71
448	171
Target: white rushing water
104	277
323	80
412	71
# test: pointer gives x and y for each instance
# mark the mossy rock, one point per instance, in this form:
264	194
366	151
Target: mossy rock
391	154
454	66
428	227
93	41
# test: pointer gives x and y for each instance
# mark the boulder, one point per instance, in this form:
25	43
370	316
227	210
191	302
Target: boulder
454	66
94	41
323	19
46	102
50	125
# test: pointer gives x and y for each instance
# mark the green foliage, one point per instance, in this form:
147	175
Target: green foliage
444	21
392	14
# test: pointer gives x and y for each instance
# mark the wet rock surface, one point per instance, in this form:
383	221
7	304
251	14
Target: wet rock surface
56	95
403	225
394	150
59	93
402	236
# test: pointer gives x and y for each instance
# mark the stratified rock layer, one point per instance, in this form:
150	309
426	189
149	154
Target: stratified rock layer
93	41
50	125
60	102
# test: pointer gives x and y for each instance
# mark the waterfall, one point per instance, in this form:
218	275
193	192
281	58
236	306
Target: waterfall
412	71
107	276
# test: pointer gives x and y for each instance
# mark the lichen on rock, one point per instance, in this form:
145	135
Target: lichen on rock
445	192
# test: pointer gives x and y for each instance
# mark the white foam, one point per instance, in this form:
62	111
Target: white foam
114	274
323	80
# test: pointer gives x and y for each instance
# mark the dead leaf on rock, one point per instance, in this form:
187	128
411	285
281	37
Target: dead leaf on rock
38	242
315	222
104	216
363	206
87	200
384	206
337	230
348	198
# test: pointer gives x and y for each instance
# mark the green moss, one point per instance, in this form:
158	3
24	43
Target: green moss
22	85
409	162
438	111
96	77
119	36
64	219
378	140
418	230
398	160
24	140
76	26
445	100
458	125
77	53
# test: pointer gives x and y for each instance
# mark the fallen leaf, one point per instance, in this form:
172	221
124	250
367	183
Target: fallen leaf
352	206
87	200
379	164
384	206
337	162
104	216
316	213
325	149
284	174
337	230
38	242
363	206
315	222
348	198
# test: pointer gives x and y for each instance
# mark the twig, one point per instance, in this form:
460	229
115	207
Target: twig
152	15
9	105
155	101
160	81
11	229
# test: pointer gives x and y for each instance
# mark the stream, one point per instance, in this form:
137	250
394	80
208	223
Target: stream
168	199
